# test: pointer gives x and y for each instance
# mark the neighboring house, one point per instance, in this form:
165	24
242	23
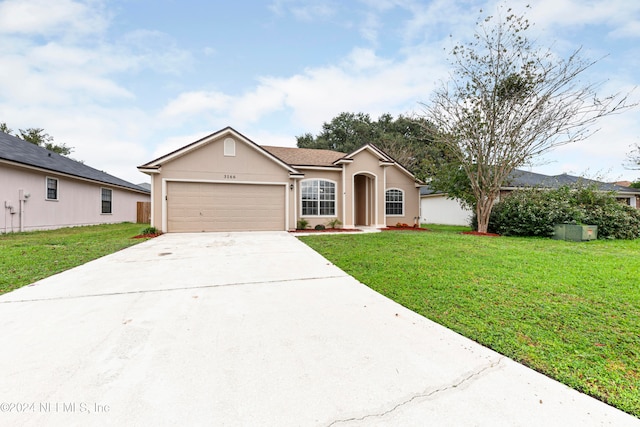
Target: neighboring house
436	208
226	182
40	189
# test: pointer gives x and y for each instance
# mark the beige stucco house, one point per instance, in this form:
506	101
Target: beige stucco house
40	189
226	182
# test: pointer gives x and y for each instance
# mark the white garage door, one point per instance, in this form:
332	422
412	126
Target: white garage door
196	207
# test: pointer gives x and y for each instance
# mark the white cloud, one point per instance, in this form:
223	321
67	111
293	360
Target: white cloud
197	102
46	17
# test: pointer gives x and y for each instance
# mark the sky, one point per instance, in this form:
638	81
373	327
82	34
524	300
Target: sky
126	81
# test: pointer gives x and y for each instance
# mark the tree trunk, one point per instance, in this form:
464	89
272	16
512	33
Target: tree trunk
484	206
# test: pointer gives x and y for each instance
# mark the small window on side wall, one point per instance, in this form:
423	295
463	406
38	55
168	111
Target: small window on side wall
52	188
107	198
229	147
394	201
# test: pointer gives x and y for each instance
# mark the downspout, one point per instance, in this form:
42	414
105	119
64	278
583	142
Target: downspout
21	209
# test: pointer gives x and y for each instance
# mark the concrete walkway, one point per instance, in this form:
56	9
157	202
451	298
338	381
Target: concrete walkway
251	329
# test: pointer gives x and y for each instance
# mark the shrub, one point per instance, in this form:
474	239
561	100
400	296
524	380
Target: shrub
149	230
319	227
533	212
334	223
302	224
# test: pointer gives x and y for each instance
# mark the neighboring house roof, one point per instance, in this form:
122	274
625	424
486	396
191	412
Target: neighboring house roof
16	150
145	185
305	156
520	178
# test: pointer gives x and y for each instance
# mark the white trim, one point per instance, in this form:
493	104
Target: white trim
344	193
229	147
165	181
319	168
403	202
295	204
208	139
106	213
335	199
152	206
46	188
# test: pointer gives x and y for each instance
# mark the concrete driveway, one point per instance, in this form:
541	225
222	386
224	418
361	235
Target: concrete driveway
251	329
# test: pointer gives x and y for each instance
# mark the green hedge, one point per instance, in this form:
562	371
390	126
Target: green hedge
533	212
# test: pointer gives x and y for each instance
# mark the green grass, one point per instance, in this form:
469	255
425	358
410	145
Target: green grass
29	257
568	310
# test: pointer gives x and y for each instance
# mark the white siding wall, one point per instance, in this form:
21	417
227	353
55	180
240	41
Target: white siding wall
437	209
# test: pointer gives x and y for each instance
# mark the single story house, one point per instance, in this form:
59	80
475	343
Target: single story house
437	208
226	182
40	189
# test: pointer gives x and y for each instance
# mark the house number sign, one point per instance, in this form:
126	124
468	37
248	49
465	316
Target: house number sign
229	176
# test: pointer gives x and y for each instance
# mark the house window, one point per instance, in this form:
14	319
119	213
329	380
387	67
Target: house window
229	147
52	189
394	201
107	197
318	198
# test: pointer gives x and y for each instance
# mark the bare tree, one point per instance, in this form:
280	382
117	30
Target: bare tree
633	158
509	101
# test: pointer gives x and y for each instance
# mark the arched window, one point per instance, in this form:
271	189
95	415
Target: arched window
394	202
318	198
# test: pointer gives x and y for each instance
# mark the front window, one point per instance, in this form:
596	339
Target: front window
394	200
318	198
52	189
106	200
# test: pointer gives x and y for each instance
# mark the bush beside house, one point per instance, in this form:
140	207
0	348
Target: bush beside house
533	212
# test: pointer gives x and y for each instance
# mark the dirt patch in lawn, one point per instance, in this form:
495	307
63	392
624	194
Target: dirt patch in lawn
395	227
146	236
477	233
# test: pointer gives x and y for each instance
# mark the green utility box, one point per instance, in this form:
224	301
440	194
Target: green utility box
574	232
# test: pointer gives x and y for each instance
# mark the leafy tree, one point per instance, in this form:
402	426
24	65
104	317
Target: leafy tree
40	138
404	138
509	101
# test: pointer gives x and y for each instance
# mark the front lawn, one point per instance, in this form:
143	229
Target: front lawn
568	310
29	257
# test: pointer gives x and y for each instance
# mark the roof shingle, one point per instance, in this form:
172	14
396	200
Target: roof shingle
305	156
19	151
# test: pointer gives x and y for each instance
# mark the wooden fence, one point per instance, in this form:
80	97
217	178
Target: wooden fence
143	213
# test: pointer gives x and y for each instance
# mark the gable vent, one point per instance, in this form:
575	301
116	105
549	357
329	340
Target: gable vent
229	147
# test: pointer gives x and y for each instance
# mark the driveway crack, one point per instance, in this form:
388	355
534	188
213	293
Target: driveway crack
172	289
473	375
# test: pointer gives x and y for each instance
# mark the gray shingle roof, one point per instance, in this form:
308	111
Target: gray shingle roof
16	150
520	178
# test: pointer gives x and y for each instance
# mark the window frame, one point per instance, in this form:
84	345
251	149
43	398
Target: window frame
103	201
229	147
330	205
56	189
394	202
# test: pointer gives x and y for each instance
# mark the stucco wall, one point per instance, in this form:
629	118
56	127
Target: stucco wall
395	178
79	202
330	175
208	163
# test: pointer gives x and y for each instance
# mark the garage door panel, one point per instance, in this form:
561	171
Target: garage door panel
195	207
